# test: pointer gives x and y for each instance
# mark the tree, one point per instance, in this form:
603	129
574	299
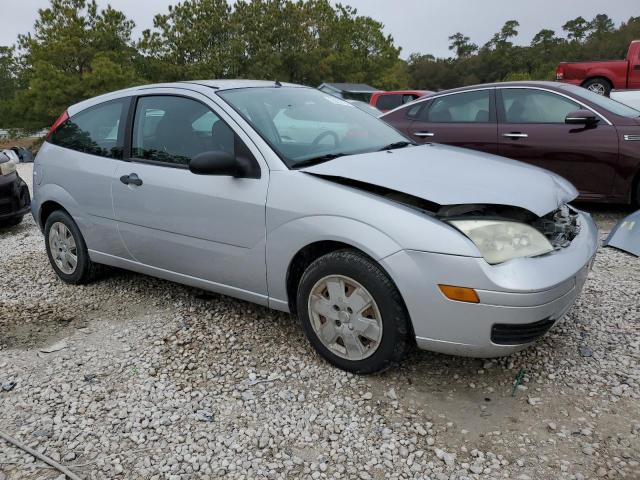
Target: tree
304	42
75	52
461	45
601	24
545	38
500	40
576	29
8	83
193	40
8	73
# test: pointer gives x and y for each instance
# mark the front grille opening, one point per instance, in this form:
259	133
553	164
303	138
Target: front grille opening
517	334
560	227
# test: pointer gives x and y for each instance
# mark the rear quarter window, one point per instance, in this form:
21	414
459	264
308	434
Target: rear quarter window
98	130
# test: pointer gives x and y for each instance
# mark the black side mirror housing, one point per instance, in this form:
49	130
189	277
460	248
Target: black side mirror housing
581	117
216	163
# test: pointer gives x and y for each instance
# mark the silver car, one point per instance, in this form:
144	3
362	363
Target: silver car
290	198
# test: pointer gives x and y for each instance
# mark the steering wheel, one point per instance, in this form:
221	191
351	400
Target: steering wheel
327	133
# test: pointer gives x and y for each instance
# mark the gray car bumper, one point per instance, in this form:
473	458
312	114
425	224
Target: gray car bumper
519	300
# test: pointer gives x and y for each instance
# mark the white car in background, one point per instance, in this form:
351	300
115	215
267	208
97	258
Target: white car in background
630	98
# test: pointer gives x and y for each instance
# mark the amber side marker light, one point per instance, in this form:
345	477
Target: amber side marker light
460	294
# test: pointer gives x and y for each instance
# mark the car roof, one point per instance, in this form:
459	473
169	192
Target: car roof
385	92
228	84
523	83
196	85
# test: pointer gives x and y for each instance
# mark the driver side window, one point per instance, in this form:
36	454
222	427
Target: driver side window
522	105
173	130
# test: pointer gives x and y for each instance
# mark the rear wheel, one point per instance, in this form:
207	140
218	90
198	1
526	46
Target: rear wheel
601	86
352	313
67	250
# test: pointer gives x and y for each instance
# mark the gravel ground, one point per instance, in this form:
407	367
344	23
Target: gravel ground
150	379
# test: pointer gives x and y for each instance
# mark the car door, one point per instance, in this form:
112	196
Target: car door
532	129
90	147
200	226
634	71
464	119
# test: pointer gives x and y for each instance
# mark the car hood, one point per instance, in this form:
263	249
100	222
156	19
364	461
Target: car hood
452	176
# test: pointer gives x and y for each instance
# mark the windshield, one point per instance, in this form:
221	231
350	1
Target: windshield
303	124
614	107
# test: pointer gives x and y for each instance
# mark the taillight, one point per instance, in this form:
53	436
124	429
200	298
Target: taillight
560	72
61	119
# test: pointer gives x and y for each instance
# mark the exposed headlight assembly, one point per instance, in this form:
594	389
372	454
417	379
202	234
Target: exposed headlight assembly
499	241
7	167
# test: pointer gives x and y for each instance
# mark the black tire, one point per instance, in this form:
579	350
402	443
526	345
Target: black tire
85	270
11	223
396	338
602	86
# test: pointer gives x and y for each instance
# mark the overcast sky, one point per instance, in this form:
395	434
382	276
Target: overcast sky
421	26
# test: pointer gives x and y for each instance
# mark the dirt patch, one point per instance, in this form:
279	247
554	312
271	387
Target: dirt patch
28	142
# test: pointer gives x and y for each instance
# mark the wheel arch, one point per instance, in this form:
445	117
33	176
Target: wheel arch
46	209
597	76
318	234
308	254
305	257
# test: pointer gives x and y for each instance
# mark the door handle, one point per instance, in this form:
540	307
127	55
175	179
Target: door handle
131	179
424	134
636	67
515	135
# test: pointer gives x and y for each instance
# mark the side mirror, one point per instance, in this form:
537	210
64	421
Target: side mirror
216	163
581	117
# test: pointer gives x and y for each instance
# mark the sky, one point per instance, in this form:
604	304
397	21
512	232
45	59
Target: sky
418	26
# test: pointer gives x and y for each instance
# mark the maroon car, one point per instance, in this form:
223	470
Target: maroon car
591	140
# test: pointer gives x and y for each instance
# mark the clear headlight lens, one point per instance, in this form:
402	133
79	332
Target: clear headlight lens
499	241
7	167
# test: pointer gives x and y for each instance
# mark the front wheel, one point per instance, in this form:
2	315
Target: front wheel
601	86
352	313
67	250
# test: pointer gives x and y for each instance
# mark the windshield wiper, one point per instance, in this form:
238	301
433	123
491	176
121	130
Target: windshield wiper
316	160
393	146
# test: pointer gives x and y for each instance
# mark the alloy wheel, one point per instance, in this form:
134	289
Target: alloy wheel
597	88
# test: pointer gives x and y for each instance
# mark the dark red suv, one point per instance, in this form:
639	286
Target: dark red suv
591	140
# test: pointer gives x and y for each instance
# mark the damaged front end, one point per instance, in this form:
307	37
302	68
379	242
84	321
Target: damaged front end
503	233
500	232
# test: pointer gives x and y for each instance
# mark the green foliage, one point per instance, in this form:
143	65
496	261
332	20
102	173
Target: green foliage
8	83
461	45
576	29
517	76
77	51
305	42
193	40
499	59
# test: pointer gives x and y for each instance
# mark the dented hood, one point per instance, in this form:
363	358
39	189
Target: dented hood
449	176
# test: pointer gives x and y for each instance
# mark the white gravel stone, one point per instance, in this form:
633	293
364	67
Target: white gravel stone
161	381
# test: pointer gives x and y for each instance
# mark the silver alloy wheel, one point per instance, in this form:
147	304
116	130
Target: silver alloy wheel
63	248
597	88
345	317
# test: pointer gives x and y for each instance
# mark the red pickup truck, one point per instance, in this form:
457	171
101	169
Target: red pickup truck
603	76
